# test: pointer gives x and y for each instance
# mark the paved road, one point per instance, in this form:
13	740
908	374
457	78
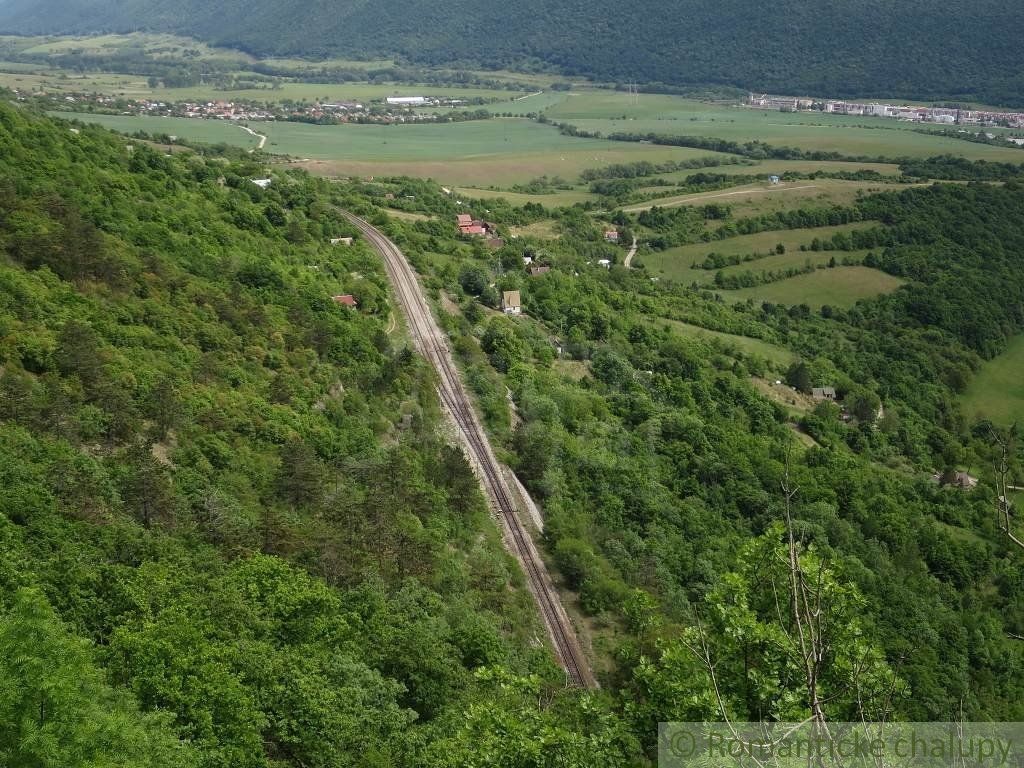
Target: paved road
432	343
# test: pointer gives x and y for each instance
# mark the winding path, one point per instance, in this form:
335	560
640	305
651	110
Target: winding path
631	254
431	342
260	136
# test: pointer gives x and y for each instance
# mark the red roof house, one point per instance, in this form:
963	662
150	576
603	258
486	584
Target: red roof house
464	220
346	299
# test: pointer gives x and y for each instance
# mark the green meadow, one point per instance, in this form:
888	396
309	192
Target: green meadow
478	153
610	112
840	287
997	390
677	263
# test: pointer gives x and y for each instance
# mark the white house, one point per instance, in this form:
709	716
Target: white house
511	304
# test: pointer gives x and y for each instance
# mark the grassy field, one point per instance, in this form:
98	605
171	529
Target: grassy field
997	390
561	197
841	287
762	197
208	131
676	263
611	112
771	352
479	153
137	87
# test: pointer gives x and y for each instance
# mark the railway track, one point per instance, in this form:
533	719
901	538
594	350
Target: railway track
431	343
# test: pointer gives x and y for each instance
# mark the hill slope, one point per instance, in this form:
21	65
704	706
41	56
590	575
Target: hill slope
843	47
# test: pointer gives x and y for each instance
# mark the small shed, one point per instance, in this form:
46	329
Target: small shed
346	300
341	241
824	393
612	235
511	304
606	263
538	271
774	180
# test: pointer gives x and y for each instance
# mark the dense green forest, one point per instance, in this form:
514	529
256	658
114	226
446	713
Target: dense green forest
661	467
915	48
229	532
232	534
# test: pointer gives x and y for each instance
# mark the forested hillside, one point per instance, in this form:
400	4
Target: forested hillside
229	533
666	472
855	47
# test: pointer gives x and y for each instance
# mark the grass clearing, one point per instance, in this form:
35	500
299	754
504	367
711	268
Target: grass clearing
207	131
761	198
773	353
559	198
997	390
841	287
676	263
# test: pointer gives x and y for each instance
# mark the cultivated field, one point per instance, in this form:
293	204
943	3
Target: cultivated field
997	390
612	112
207	131
839	287
677	263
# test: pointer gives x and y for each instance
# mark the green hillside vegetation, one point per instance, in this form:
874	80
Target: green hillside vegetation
997	390
226	510
841	286
661	467
917	49
218	544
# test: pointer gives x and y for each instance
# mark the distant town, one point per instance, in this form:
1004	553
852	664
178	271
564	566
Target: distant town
393	109
942	115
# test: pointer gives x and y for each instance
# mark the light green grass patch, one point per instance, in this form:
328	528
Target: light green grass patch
206	131
612	112
773	353
762	197
841	287
558	198
676	263
997	391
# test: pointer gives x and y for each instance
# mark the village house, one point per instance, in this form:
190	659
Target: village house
346	300
824	393
262	183
612	236
469	226
538	271
606	263
511	304
341	241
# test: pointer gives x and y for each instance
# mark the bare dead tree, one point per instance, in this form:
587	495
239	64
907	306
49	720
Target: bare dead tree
1001	467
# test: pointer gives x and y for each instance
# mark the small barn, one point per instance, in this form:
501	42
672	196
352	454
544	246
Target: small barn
824	393
346	300
511	303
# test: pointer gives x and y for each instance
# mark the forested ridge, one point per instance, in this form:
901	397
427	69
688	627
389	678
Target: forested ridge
229	532
232	535
914	49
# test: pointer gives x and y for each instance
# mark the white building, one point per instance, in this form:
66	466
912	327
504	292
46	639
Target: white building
406	101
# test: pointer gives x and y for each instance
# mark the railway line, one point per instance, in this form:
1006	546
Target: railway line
431	343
